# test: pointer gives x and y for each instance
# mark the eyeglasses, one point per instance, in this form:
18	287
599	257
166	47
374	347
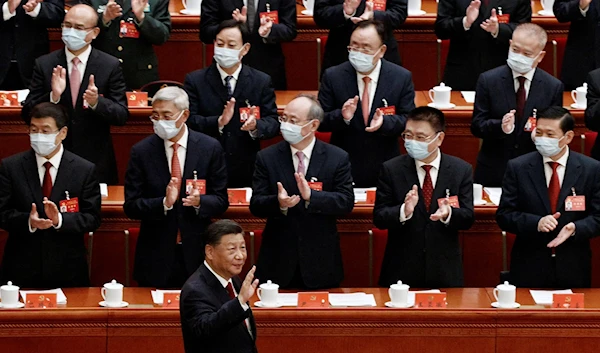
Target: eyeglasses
77	27
34	130
293	121
361	50
420	138
156	116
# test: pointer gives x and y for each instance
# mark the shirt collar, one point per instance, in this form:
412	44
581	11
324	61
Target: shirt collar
55	160
224	74
222	280
308	150
435	163
374	75
183	141
562	160
83	57
528	76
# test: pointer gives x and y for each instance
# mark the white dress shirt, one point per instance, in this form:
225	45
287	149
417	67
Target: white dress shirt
307	154
233	81
224	283
527	83
560	170
181	153
7	15
433	173
55	161
374	75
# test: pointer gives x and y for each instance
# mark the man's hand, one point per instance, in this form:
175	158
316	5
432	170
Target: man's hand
227	114
566	232
508	121
172	193
376	122
491	24
442	213
30	5
303	187
51	211
240	16
350	6
349	108
286	201
248	286
472	12
91	93
58	82
367	15
193	199
548	223
584	4
410	201
112	11
138	6
35	221
12	5
250	124
265	26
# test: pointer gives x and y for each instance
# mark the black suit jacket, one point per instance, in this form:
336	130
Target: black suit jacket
265	54
421	252
475	51
582	52
53	257
496	96
146	182
329	14
89	129
208	96
525	201
24	38
210	320
592	112
367	150
307	237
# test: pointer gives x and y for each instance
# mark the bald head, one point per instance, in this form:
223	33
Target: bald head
82	16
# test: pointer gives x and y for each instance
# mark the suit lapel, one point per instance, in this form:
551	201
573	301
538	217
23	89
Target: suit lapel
531	102
509	88
66	96
410	173
90	68
214	80
242	83
383	86
286	168
161	166
30	170
316	160
572	173
191	160
538	179
65	172
445	174
352	92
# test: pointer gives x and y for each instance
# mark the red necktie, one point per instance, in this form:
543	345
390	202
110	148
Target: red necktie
47	185
521	99
365	100
75	81
427	187
553	187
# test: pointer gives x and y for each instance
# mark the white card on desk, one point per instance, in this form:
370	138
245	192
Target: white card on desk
469	96
61	298
158	295
352	299
494	193
545	297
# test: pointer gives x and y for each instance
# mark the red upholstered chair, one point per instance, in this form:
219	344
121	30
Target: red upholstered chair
587	142
443	46
253	248
508	240
558	52
321	41
323	136
377	243
131	237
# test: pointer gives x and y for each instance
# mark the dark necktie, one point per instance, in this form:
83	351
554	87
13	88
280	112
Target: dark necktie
228	85
521	99
427	187
251	14
553	187
47	185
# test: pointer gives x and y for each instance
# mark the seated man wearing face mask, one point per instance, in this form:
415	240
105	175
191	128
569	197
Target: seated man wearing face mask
49	198
424	199
551	201
219	99
175	183
301	185
366	101
505	101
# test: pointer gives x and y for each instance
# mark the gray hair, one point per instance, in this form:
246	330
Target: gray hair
531	29
315	111
173	94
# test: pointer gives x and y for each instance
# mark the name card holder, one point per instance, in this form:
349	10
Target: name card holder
430	301
313	300
568	301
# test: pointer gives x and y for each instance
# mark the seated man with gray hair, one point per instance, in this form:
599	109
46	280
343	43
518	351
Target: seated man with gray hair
505	100
175	183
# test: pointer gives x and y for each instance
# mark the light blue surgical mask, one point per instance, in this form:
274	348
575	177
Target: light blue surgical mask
417	149
292	133
361	62
43	144
167	129
548	146
226	57
74	39
520	63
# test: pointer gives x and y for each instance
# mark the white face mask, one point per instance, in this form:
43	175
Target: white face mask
292	133
360	61
548	146
226	57
167	129
43	144
419	150
519	62
74	39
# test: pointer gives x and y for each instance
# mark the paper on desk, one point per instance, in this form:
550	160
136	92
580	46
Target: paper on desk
61	298
22	94
360	194
495	194
158	295
544	297
248	193
412	295
103	190
352	299
469	96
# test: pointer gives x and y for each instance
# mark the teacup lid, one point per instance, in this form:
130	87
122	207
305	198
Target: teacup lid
505	286
269	285
9	286
400	285
583	88
442	87
113	285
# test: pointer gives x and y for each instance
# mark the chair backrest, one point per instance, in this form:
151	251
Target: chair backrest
443	46
89	244
253	241
321	41
131	237
588	140
154	86
508	240
558	52
377	244
323	136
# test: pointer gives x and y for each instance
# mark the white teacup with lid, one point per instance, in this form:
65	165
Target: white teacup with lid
10	295
399	294
268	293
579	96
440	95
112	293
506	295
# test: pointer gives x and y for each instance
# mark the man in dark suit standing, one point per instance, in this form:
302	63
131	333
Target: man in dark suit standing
340	16
175	183
220	92
424	199
215	315
479	32
301	185
24	37
551	201
592	112
505	99
367	128
129	30
582	53
89	84
49	198
270	22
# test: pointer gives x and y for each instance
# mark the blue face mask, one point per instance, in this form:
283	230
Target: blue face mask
417	149
548	146
292	133
74	39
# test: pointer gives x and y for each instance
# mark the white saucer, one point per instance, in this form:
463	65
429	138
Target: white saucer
188	12
514	306
391	305
576	106
306	12
261	305
122	305
13	306
433	105
418	13
546	13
